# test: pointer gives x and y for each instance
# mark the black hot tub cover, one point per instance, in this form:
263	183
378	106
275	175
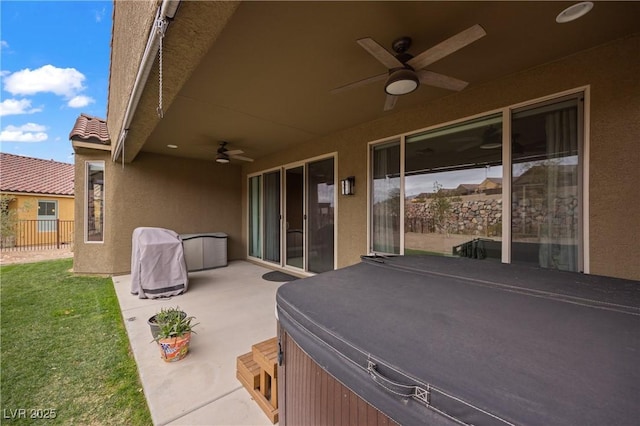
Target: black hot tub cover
434	340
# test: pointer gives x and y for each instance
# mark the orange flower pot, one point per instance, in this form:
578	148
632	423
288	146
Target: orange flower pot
174	348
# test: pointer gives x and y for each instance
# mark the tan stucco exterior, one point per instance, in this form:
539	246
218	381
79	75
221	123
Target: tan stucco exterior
189	195
25	207
614	122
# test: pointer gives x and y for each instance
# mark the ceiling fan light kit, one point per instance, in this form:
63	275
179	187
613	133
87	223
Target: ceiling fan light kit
222	159
401	82
224	155
406	72
574	12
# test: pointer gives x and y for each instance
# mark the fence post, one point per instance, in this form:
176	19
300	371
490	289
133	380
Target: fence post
57	233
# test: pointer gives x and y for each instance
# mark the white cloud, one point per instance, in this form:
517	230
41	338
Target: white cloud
17	106
3	45
100	14
65	82
30	132
80	101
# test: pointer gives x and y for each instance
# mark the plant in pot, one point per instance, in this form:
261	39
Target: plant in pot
165	315
174	333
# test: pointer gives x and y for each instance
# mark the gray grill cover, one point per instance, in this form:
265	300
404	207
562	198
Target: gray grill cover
158	267
435	340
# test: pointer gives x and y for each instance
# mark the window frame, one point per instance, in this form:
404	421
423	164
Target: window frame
582	93
85	201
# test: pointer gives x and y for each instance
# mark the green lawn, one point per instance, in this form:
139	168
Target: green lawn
64	350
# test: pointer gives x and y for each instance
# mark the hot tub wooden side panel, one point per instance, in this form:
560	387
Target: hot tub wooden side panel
308	395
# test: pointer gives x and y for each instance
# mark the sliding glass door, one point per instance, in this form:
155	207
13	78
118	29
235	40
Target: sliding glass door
291	220
294	223
320	214
272	222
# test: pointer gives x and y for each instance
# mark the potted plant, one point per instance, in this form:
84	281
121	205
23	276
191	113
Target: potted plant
165	315
174	333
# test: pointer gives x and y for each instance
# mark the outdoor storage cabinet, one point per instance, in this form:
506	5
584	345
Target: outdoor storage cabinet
439	341
205	250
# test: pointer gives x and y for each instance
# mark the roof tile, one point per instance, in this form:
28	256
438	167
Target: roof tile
91	129
34	175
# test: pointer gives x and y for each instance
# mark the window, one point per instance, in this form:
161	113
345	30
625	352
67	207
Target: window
545	189
94	198
47	215
452	188
385	209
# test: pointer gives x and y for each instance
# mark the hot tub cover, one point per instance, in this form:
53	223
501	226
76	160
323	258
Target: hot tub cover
158	267
434	340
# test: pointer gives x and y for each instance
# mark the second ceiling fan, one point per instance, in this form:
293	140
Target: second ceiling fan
224	155
406	72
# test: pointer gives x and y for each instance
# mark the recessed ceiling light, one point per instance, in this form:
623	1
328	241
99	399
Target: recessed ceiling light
574	12
172	146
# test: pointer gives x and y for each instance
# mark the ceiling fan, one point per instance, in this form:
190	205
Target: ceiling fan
224	155
406	72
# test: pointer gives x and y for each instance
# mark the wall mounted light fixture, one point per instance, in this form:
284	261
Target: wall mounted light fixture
348	185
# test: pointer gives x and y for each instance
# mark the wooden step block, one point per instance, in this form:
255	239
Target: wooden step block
266	355
266	406
249	370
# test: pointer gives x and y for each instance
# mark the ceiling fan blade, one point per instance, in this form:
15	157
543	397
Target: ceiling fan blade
390	102
447	47
360	83
380	53
240	157
439	80
234	152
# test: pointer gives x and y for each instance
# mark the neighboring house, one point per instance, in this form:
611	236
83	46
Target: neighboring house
261	76
38	194
490	184
467	188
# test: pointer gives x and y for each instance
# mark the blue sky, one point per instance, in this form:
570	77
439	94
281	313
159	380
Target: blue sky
54	65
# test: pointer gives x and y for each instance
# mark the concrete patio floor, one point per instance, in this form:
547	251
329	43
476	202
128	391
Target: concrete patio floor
235	308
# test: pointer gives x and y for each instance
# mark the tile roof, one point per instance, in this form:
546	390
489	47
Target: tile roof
91	129
34	175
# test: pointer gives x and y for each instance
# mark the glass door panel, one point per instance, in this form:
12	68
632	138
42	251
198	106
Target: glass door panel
545	186
321	196
294	221
272	214
255	216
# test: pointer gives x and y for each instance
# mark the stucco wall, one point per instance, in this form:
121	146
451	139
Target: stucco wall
611	72
187	196
132	23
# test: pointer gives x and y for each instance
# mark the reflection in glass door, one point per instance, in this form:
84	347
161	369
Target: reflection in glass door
294	221
272	216
320	206
546	185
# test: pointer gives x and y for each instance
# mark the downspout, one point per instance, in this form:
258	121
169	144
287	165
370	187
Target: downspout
165	13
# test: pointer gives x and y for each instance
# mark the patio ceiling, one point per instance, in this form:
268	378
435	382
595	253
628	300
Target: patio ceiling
264	84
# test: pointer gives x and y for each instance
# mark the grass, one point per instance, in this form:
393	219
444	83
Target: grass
64	348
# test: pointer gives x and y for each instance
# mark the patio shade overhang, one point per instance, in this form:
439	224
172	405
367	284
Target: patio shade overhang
260	74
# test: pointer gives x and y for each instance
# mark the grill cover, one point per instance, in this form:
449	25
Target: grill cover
435	340
158	267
